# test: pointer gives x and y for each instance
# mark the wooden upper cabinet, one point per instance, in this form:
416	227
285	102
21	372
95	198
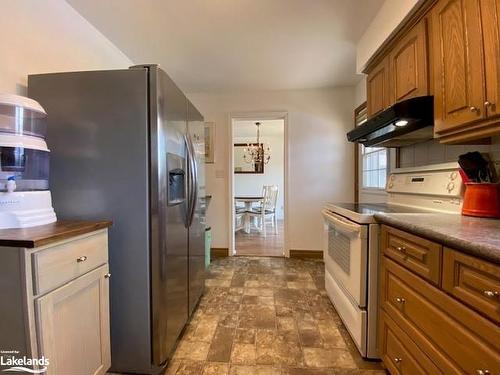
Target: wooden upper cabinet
377	88
408	65
458	64
490	13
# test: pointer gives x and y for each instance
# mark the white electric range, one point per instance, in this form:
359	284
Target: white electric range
351	244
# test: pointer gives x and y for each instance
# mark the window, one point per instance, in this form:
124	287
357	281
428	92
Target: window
374	159
374	167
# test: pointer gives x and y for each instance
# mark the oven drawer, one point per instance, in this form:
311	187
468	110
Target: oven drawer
473	281
417	254
59	264
456	338
399	352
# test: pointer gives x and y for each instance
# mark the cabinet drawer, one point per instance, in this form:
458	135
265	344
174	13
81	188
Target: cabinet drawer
417	254
456	338
473	281
399	352
59	264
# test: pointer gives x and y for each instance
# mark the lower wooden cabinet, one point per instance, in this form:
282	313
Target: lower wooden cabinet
73	325
58	304
399	353
426	328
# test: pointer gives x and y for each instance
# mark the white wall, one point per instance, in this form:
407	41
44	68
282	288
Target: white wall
320	159
387	19
251	184
49	36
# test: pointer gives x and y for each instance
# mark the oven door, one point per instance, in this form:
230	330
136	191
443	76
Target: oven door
345	253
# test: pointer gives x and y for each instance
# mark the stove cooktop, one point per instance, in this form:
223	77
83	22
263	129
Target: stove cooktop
363	212
372	208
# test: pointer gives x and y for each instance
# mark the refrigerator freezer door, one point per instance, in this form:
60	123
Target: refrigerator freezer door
98	136
169	235
196	133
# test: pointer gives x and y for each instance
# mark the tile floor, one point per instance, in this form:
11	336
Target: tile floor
267	316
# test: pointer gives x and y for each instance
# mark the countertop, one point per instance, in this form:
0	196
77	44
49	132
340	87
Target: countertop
46	234
476	236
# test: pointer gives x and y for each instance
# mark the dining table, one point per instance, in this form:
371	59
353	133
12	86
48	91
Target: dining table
248	200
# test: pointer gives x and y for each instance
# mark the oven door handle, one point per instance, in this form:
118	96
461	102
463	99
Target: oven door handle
353	230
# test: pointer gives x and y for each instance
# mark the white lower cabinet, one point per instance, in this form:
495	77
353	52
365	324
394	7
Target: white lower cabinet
72	324
55	304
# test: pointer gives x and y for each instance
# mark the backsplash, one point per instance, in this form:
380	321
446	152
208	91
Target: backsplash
432	152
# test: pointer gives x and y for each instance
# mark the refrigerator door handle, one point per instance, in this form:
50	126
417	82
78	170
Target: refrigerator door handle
194	180
189	182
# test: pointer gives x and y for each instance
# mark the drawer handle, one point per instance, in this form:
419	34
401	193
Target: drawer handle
401	249
490	294
81	259
482	372
397	360
400	300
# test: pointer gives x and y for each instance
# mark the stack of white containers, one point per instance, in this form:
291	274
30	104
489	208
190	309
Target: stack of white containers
25	198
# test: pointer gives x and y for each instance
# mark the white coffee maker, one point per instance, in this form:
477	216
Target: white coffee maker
25	199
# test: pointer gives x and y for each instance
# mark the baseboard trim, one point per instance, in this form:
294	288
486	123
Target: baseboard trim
219	252
306	254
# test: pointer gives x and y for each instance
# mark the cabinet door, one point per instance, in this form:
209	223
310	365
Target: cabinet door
378	88
458	64
408	65
73	326
490	13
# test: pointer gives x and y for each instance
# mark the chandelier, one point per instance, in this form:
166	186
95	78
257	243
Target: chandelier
257	153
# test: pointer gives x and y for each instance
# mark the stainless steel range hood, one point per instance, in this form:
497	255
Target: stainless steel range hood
405	123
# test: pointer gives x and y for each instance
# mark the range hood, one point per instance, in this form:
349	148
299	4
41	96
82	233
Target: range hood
405	123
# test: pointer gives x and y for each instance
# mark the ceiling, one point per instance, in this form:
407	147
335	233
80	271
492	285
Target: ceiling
244	45
268	128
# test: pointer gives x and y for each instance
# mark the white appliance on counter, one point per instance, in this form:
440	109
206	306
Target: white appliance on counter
25	199
351	244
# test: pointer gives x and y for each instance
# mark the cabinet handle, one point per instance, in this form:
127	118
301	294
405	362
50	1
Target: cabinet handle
473	109
107	276
482	372
397	360
81	259
488	104
400	300
491	294
401	249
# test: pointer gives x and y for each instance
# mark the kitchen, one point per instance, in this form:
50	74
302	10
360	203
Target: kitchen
422	289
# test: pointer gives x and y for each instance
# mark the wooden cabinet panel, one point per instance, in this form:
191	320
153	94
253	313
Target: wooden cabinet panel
408	65
473	281
490	17
377	88
417	254
428	315
62	263
458	64
73	326
399	352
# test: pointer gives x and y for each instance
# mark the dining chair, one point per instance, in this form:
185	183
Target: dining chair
239	221
267	209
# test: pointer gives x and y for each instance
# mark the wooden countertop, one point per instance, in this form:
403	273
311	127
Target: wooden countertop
46	234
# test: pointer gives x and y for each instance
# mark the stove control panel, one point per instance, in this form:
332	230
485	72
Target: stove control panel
446	183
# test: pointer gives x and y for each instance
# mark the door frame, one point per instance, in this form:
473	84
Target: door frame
249	116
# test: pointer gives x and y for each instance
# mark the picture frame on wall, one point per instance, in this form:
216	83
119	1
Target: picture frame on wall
209	142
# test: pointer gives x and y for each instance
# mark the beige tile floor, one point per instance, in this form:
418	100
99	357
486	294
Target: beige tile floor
267	316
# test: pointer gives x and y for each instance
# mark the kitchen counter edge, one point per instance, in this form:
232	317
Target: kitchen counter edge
488	252
42	235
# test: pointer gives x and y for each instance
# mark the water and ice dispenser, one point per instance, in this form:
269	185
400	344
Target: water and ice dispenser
25	199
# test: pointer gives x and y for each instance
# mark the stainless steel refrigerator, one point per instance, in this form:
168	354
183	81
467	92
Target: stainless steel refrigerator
127	145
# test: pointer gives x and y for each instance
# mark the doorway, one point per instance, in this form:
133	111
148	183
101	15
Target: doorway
258	185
